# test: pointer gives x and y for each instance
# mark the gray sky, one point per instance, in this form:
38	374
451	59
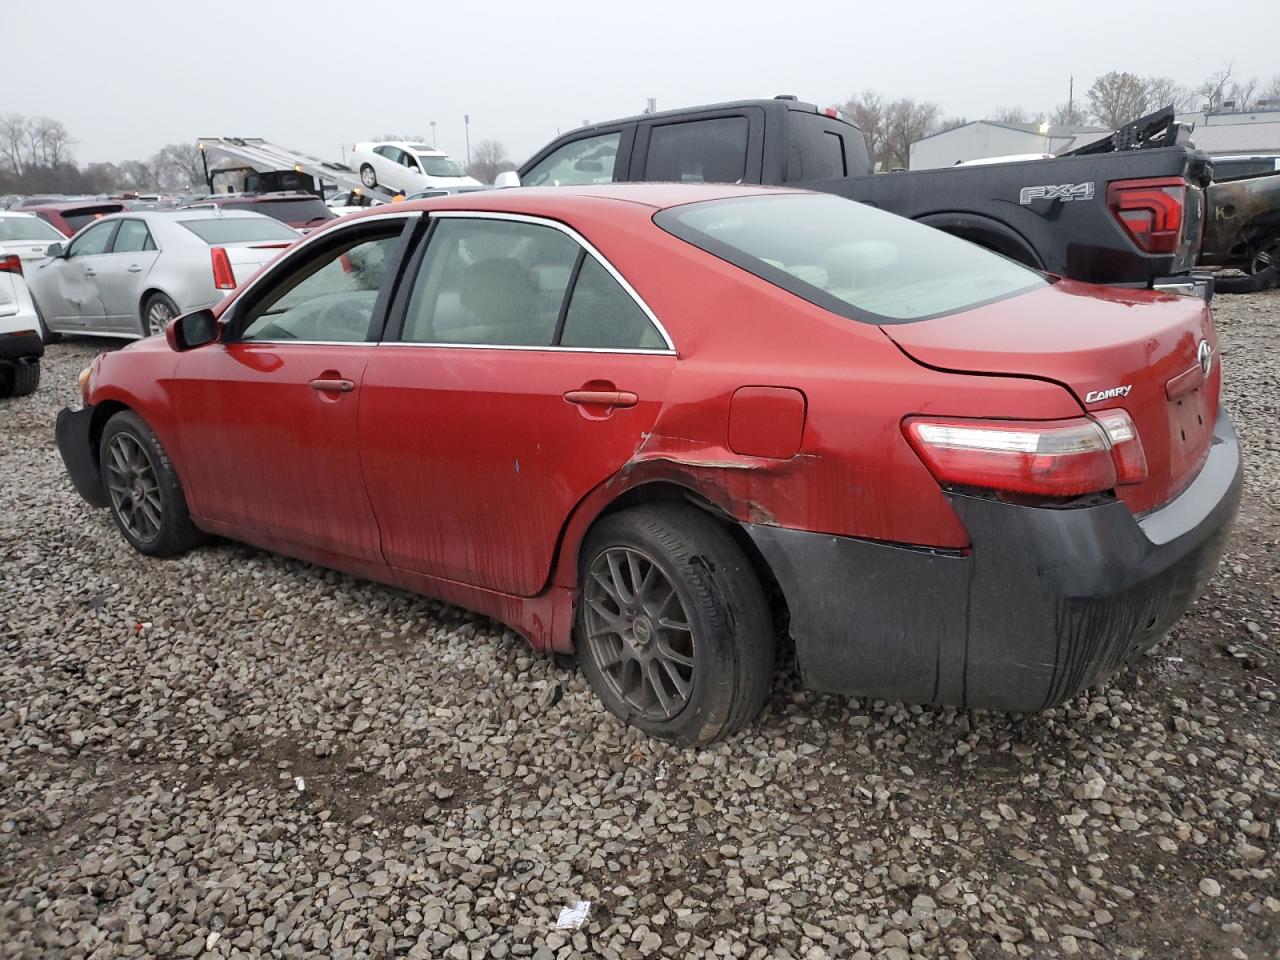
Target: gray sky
127	76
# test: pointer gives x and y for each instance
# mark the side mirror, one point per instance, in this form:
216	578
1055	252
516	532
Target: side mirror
55	250
508	178
191	330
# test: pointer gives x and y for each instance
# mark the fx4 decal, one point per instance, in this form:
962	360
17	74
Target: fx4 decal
1065	192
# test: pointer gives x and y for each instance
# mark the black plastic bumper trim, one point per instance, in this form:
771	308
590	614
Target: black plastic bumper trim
21	346
74	437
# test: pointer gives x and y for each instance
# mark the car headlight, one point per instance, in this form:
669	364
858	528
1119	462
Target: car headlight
83	380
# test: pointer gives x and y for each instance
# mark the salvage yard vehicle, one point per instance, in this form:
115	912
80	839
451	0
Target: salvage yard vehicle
128	275
619	419
302	211
21	345
406	168
1124	211
1242	230
69	216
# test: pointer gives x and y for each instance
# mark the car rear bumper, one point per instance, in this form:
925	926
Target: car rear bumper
1046	602
74	435
21	346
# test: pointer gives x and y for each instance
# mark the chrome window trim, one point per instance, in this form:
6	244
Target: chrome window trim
287	256
644	351
582	241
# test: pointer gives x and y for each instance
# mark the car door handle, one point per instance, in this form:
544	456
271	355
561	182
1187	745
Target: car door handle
332	386
134	268
90	273
603	398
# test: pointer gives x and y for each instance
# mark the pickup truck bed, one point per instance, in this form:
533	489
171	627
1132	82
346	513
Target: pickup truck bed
1130	216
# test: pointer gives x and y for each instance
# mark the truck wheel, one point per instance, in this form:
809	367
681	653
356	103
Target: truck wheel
19	378
142	489
367	176
673	633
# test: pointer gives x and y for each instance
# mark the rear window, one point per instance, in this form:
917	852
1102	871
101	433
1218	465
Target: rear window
850	259
292	211
81	215
28	228
219	230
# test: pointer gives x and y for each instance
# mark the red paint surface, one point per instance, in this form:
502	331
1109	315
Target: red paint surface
466	474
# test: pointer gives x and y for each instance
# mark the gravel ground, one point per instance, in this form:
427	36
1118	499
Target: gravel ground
234	754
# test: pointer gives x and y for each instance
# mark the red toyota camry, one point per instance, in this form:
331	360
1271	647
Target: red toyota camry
638	422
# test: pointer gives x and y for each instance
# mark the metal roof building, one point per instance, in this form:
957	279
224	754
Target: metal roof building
993	138
1225	134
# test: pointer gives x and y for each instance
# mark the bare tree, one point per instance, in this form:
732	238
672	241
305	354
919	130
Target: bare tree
178	166
1068	115
47	142
1164	92
1271	91
1215	86
1115	98
906	121
1010	115
13	142
488	159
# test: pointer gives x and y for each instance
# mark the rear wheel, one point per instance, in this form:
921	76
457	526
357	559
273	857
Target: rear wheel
367	176
157	311
142	488
19	378
674	634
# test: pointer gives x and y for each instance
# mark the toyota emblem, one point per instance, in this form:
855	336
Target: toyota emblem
1204	353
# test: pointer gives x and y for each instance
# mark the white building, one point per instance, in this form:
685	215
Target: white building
1233	134
992	138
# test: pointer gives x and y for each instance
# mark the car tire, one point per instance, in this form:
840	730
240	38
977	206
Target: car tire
367	176
19	378
134	465
157	311
645	569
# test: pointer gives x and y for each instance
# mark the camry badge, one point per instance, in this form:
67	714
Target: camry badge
1204	354
1093	396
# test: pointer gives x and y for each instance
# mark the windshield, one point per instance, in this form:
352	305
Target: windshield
219	230
848	258
440	167
28	228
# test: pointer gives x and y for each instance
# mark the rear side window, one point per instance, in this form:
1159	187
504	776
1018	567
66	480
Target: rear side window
603	315
490	282
132	237
220	230
848	258
589	160
816	148
699	151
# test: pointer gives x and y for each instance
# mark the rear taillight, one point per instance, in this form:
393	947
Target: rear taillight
11	263
224	277
1150	210
1050	458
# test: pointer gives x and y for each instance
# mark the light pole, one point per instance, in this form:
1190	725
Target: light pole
433	135
466	123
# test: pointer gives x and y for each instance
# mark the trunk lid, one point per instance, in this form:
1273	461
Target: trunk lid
1134	350
248	258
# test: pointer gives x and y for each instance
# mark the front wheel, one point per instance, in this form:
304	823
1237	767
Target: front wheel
142	488
157	311
367	176
674	634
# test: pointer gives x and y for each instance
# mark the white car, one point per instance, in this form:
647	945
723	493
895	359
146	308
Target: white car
129	274
24	239
403	167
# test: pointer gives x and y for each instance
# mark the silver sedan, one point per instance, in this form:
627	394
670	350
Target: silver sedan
129	274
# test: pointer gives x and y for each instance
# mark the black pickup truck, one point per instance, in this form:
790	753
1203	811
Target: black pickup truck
1126	211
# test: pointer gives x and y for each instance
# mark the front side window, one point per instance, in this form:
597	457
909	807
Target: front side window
330	299
848	258
699	151
93	241
133	237
590	160
603	315
490	282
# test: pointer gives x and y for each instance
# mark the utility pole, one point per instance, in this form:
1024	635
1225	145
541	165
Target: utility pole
433	136
1071	97
466	123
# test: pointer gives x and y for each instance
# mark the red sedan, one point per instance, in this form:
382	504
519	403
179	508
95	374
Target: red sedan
646	422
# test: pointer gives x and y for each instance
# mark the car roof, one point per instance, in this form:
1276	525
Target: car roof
171	216
656	196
